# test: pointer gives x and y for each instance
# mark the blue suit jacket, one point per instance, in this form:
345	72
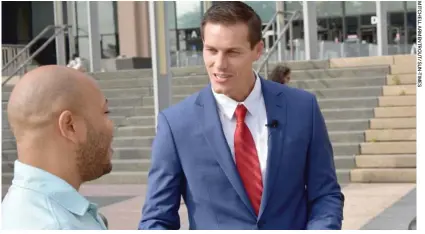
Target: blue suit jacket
191	158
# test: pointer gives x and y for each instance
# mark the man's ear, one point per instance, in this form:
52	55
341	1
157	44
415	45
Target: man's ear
72	127
259	50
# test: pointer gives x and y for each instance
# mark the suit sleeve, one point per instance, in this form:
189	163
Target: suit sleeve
162	202
325	199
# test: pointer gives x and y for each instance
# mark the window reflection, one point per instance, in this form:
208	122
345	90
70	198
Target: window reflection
108	30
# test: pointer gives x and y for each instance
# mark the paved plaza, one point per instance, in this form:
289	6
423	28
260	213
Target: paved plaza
367	206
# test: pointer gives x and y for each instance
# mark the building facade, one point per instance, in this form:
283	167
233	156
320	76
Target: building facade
344	28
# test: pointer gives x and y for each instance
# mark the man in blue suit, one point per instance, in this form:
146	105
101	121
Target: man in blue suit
244	152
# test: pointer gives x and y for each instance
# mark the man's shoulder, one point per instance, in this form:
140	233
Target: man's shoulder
27	209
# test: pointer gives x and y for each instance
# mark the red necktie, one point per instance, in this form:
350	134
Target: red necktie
247	161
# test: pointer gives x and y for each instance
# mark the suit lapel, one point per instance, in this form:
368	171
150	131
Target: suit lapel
276	110
213	132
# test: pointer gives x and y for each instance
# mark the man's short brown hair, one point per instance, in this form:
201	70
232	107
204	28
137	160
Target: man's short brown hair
229	13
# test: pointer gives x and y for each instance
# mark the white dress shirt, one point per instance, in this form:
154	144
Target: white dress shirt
256	120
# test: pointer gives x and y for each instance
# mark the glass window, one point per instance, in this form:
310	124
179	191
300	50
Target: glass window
394	6
107	29
189	14
265	9
82	25
108	44
360	7
327	9
352	25
293	5
106	17
411	5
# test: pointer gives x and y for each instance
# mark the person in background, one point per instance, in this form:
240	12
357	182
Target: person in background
281	74
59	118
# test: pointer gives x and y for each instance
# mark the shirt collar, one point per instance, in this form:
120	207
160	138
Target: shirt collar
228	106
57	189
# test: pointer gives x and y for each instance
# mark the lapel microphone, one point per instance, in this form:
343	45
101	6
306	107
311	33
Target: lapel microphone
273	124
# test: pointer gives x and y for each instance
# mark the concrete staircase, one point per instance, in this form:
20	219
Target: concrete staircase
347	96
389	151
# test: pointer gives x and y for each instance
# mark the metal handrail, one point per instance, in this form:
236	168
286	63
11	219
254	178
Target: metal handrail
28	46
58	30
269	52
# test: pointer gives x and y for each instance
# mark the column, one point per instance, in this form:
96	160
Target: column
160	55
310	30
133	32
60	38
206	5
381	28
281	47
94	37
72	21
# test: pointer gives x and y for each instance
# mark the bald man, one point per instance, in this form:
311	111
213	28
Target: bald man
59	118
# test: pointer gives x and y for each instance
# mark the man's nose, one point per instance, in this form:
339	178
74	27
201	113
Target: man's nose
221	62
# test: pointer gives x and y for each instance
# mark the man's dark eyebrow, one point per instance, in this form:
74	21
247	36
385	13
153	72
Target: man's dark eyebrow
228	49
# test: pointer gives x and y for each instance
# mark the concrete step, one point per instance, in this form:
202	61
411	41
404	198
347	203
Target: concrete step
393	123
395	112
348	113
374	135
388	101
403	69
343	176
132	141
402	79
349	137
357	102
132	111
122	177
347	124
135	131
338	83
407	147
346	162
141	121
383	175
360	62
386	161
399	90
404	59
346	148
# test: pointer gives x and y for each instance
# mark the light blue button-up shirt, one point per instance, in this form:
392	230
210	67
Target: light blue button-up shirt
40	200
